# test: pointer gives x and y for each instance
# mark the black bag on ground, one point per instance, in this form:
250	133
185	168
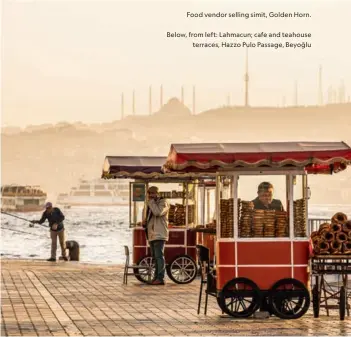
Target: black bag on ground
74	251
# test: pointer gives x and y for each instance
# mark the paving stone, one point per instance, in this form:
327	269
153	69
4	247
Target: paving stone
77	299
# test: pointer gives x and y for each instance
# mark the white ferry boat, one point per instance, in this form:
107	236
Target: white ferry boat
21	198
98	192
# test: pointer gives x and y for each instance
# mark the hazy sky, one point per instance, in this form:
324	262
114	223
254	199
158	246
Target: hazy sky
70	60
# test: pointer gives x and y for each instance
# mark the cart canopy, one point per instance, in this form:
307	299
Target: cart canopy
315	157
132	166
144	168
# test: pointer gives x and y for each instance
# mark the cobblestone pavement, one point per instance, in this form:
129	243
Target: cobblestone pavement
75	299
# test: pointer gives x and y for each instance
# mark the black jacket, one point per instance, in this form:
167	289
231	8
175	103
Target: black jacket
55	217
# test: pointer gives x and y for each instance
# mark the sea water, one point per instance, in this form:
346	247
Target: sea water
101	232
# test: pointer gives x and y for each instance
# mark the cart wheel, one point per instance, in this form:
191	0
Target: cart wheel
145	261
182	269
289	299
342	303
240	297
315	301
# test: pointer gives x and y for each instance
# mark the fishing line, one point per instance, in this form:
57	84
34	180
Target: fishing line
18	217
17	231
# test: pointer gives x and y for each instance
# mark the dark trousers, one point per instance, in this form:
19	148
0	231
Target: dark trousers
157	252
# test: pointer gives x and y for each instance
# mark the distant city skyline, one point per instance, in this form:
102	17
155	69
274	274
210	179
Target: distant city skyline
73	60
227	105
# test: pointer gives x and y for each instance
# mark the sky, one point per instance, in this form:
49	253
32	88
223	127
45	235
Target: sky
71	60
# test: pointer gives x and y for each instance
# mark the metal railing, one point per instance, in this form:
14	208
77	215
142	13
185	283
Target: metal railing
314	223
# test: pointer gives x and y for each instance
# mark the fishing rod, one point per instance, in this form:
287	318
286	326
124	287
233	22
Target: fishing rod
18	217
17	231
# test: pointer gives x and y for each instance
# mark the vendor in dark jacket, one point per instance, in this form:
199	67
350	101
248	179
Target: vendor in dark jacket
55	219
265	199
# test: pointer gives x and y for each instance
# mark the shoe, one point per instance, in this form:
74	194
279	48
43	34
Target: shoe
51	260
65	258
158	283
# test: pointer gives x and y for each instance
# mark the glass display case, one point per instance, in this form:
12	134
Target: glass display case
262	205
182	198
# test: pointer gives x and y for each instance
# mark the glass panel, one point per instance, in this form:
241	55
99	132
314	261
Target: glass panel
192	204
137	202
211	206
262	207
300	208
206	204
199	204
226	207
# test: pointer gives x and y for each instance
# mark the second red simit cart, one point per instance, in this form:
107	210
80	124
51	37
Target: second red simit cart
262	253
188	195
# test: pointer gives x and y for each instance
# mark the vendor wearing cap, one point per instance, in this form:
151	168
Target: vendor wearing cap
55	219
265	199
156	223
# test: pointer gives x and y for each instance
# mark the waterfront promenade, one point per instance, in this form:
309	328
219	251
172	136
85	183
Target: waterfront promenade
40	298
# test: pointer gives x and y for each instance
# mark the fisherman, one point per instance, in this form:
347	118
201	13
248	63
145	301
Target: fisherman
265	199
156	223
55	219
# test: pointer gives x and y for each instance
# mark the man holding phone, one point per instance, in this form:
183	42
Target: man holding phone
156	225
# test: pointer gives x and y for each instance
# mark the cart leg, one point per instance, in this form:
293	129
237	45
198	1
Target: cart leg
206	299
342	303
325	294
345	283
264	305
316	297
200	296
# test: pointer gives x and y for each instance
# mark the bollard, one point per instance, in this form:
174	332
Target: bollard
73	248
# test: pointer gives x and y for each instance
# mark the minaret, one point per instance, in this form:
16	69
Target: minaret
228	100
330	95
182	95
194	100
122	106
161	96
247	78
296	102
320	89
133	104
342	92
150	100
335	96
